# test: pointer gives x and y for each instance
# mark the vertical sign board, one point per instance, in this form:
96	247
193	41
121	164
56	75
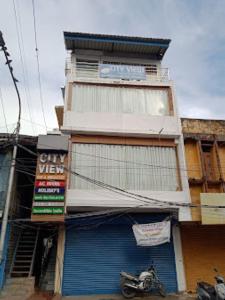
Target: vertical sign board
50	184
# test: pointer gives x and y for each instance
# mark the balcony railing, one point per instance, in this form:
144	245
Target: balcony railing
91	71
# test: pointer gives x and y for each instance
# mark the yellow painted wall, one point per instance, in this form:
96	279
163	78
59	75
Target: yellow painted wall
203	250
195	198
221	151
193	162
215	164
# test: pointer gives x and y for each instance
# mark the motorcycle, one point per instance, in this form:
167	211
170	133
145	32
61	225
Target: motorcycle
206	291
146	282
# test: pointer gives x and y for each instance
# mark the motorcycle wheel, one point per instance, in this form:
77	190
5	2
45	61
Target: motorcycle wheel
127	292
162	290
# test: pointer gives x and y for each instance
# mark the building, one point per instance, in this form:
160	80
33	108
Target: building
122	156
21	198
5	159
121	116
24	248
202	238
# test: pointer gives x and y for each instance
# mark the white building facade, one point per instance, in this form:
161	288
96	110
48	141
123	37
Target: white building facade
126	159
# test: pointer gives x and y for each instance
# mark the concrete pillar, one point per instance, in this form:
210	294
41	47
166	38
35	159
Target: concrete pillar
59	260
181	280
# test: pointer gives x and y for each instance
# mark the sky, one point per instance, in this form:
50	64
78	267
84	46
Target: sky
195	58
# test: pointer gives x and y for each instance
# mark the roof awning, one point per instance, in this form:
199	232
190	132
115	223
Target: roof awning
116	43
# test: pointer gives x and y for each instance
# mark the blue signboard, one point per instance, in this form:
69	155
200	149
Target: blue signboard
49	190
122	72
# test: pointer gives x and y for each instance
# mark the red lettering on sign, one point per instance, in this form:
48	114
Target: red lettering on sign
50	183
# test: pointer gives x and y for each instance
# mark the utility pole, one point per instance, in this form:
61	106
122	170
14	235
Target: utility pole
13	161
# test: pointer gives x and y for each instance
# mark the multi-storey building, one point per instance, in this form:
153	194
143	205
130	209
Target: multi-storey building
202	238
117	160
16	261
5	159
125	140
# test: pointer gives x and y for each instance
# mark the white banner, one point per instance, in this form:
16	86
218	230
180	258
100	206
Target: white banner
152	234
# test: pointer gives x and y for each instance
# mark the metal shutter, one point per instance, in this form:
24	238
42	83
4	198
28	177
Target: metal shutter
95	257
5	255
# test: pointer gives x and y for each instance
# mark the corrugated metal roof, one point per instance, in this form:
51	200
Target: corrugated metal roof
116	43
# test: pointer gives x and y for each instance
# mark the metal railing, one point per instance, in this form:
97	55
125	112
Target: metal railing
90	71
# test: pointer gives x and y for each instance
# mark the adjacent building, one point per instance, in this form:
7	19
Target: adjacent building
202	238
17	261
120	114
5	162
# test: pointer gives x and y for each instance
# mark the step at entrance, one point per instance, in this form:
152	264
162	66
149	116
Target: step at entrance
24	254
18	288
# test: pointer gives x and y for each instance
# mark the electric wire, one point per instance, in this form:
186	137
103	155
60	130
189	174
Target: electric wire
15	148
137	163
24	172
167	184
136	196
8	63
9	125
23	63
93	181
176	204
35	123
132	168
38	64
3	110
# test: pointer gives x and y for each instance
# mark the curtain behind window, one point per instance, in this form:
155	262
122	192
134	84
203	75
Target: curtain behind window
91	98
126	167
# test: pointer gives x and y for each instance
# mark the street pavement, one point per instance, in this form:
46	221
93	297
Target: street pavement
183	296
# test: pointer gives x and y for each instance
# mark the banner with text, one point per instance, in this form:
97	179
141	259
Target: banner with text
128	72
152	234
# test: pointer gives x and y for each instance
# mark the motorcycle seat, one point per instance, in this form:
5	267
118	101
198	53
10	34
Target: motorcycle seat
207	287
125	274
128	276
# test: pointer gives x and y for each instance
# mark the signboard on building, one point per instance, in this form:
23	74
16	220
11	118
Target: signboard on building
152	234
50	183
122	72
215	212
49	192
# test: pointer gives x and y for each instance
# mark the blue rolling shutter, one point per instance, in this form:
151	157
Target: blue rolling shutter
3	264
94	258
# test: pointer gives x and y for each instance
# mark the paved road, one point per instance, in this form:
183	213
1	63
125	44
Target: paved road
106	297
119	297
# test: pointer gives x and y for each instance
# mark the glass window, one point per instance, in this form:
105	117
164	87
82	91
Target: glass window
126	167
92	98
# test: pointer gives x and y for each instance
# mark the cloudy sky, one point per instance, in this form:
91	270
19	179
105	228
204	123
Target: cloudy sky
196	56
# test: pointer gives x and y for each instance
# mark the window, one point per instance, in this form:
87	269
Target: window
90	65
92	98
126	167
210	160
86	68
